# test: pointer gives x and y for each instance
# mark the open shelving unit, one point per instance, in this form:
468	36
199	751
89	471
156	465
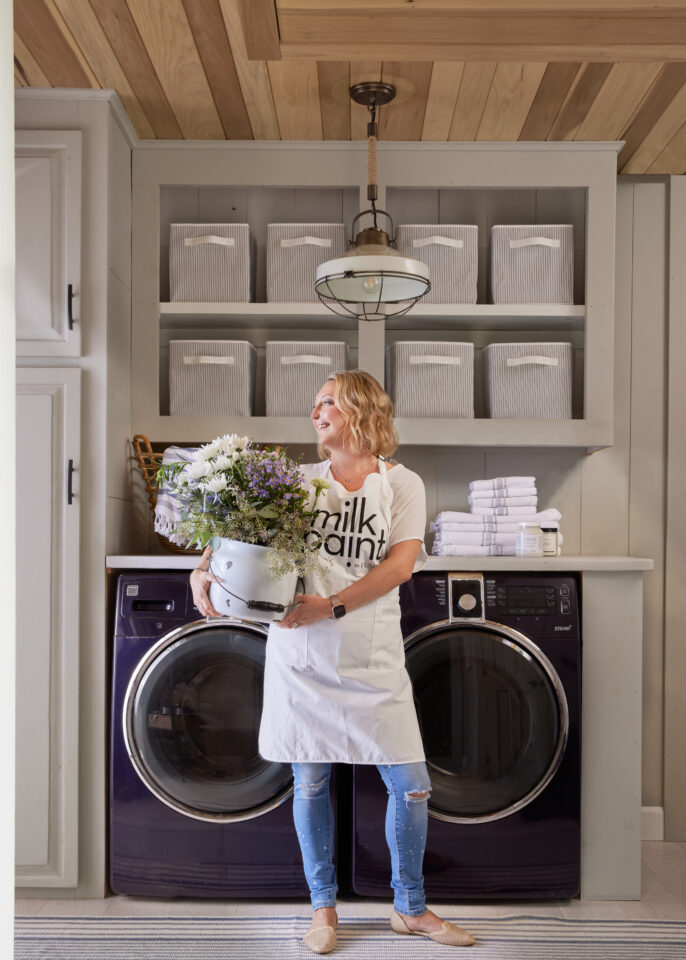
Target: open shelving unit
483	183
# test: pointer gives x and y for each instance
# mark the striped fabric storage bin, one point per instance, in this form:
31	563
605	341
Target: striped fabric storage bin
532	264
294	251
296	372
529	381
209	261
431	379
211	378
451	252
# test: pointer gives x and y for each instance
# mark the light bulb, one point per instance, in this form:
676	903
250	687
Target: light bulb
371	284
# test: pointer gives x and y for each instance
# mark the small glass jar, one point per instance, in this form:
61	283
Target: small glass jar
529	542
550	539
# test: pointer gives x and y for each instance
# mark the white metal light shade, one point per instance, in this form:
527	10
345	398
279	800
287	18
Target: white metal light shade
372	273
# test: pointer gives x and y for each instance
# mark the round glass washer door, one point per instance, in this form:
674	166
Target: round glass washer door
191	721
493	716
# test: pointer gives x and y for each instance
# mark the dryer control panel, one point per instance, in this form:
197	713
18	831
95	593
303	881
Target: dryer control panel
537	603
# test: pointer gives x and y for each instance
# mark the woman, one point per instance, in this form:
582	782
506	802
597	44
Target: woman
336	689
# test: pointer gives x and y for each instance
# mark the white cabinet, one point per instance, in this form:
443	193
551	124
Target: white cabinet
47	565
48	242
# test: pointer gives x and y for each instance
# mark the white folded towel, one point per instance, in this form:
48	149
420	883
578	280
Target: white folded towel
489	525
167	511
524	513
484	538
503	502
470	550
454	519
501	483
529	491
456	516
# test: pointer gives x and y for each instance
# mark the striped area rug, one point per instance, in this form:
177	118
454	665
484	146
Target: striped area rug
280	938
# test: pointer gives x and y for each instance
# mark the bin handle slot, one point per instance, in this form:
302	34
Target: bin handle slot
307	358
195	361
210	238
438	241
542	361
430	358
534	242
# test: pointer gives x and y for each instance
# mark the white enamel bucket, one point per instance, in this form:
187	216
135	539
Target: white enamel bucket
247	590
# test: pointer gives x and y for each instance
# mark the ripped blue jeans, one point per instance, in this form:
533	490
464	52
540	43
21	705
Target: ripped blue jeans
406	824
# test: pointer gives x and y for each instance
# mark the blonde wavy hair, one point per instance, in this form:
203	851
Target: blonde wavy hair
368	411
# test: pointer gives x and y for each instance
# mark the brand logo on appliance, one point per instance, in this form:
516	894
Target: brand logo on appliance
567	627
341	533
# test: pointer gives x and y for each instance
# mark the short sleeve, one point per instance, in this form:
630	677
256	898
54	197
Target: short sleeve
408	511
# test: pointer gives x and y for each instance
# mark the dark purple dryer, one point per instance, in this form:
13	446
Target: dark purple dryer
194	809
495	664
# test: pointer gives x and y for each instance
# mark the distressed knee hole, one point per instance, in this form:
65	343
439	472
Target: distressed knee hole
417	795
313	786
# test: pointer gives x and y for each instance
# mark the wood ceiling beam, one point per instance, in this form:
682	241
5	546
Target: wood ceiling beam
618	7
482	6
675	53
260	29
415	33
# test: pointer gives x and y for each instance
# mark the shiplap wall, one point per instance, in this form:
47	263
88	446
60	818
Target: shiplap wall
612	501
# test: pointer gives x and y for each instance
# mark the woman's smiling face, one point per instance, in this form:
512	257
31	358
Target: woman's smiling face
328	420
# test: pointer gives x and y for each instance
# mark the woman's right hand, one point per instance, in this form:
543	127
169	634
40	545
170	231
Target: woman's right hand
201	579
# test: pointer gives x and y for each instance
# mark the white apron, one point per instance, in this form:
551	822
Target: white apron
338	691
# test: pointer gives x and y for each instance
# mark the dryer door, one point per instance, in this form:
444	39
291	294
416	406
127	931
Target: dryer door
493	716
191	719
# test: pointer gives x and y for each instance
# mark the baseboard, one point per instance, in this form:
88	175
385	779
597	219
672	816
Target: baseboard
652	823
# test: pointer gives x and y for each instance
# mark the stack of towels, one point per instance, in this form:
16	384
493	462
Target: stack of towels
497	507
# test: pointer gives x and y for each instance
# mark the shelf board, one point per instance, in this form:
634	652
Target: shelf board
420	432
175	316
455	316
491	316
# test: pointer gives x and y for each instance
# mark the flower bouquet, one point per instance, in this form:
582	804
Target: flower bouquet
250	506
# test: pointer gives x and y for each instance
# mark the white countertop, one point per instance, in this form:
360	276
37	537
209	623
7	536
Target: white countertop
180	561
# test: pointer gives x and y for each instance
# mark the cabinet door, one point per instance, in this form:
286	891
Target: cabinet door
47	565
48	242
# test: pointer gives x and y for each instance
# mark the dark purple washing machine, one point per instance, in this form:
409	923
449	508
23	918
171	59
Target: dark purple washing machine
495	664
195	811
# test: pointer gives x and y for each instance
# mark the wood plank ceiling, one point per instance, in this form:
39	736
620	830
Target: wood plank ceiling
463	69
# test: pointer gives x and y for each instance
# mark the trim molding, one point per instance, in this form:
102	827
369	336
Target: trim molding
653	823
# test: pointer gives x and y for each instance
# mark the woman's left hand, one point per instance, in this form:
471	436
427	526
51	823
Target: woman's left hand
306	610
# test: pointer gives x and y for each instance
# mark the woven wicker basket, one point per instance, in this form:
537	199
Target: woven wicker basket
149	461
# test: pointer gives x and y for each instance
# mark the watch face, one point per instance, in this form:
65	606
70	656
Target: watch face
339	611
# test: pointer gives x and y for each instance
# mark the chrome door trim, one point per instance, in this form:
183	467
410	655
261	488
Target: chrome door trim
515	639
137	676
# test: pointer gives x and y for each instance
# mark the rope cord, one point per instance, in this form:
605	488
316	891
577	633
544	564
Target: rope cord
372	162
371	159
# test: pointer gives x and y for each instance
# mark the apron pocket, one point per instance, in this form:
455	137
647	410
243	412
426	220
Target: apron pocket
387	648
288	645
353	643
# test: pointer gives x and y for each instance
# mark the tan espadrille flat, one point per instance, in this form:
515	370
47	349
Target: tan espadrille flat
320	940
451	934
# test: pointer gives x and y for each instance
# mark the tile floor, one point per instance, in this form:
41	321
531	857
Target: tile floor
663	898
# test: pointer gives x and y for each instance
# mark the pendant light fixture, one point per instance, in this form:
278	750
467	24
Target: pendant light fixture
373	273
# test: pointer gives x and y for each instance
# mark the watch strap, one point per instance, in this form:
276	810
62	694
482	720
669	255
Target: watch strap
336	601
